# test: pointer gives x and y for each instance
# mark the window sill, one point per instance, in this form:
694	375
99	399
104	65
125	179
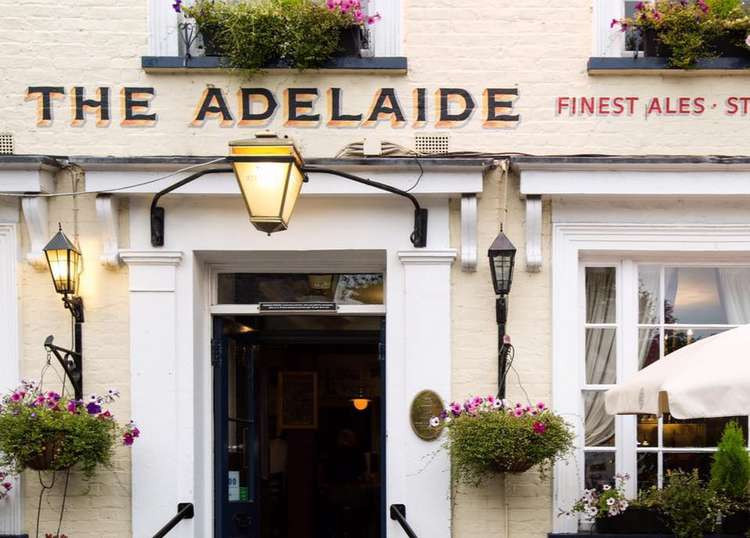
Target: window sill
630	66
395	65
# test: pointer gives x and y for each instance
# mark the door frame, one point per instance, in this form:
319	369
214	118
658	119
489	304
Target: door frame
375	311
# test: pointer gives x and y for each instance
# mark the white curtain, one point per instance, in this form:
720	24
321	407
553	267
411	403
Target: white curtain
601	353
649	282
734	288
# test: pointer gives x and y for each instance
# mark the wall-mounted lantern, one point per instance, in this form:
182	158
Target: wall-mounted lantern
502	255
65	265
270	172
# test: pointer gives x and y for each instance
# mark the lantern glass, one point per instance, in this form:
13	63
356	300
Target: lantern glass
360	404
269	173
502	256
65	264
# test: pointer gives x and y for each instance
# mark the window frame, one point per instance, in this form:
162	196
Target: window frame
575	244
164	39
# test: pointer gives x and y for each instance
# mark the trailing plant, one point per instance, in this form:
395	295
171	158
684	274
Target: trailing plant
687	31
602	502
730	471
486	437
253	34
45	430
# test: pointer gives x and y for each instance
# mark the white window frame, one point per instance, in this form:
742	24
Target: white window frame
164	39
618	245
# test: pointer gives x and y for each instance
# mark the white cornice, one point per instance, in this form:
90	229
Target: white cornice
151	257
427	257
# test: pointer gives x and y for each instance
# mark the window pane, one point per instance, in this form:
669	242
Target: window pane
647	470
694	295
648	431
631	36
601	356
599	426
687	462
600	295
252	288
649	281
648	347
600	468
674	339
697	433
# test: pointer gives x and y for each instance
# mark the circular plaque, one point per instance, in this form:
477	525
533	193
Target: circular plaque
426	404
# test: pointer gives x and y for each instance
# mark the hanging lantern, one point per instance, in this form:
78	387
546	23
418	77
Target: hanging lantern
65	263
269	172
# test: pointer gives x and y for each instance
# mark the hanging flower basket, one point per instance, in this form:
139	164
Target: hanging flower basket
45	431
487	437
45	459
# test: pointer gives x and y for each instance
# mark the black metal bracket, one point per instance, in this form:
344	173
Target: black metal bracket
398	513
75	305
72	363
418	236
504	349
184	511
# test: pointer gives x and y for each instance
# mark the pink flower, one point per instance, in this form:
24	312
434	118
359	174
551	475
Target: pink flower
518	412
135	432
614	23
8	486
72	406
16	396
540	406
372	19
105	415
456	408
540	428
127	439
747	40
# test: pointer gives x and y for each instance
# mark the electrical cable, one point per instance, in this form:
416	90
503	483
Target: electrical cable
116	189
421	173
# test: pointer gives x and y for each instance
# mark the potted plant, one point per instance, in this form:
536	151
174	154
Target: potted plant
685	32
270	33
691	508
611	512
487	437
730	475
47	431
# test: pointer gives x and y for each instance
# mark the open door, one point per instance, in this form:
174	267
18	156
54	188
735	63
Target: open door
236	507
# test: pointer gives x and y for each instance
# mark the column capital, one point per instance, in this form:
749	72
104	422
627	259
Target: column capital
151	257
427	257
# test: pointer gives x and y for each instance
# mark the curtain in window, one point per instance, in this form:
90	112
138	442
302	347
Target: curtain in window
734	288
601	353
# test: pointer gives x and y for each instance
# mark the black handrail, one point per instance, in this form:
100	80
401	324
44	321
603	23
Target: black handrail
398	513
184	511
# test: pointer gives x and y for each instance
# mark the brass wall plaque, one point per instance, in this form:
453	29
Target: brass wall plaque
426	404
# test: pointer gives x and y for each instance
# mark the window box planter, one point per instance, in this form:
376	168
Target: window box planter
632	521
737	523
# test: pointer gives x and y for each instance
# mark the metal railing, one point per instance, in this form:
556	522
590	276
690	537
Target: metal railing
184	511
398	513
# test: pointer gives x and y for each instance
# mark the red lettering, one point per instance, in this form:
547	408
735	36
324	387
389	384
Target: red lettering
604	105
699	105
562	103
654	106
588	105
631	104
732	106
684	105
617	106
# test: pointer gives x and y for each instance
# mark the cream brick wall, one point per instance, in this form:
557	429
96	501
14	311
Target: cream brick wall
100	507
539	46
517	506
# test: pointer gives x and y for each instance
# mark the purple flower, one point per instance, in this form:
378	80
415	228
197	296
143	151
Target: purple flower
135	432
614	23
127	439
16	396
93	408
456	408
53	396
72	406
518	412
177	6
639	6
8	486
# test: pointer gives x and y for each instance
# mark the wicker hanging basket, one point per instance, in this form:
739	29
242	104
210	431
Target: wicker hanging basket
520	466
45	460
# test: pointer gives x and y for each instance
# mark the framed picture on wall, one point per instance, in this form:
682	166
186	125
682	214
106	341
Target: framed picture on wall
298	400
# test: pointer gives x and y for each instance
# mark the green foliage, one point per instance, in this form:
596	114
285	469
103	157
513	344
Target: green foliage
723	8
686	32
690	508
730	471
253	34
491	442
52	432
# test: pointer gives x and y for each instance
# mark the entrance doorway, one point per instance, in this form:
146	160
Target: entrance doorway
299	426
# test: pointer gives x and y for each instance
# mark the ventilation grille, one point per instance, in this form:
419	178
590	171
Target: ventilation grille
431	143
6	144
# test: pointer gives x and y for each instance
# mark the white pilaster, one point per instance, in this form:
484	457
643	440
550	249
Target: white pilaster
10	509
154	391
427	357
35	216
533	234
469	233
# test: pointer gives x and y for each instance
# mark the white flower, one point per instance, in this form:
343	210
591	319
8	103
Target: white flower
623	505
747	41
497	404
606	487
610	501
614	511
593	511
434	422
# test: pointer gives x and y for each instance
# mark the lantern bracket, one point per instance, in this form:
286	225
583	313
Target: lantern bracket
75	305
72	363
418	236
